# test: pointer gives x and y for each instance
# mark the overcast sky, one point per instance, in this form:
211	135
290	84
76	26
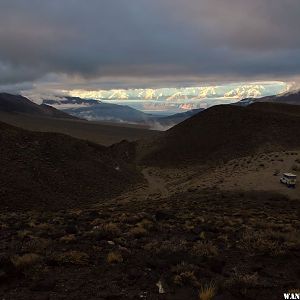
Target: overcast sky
120	43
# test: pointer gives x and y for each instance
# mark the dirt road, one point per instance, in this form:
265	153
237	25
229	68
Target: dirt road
156	185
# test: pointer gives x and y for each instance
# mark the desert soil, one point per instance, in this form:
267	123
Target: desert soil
260	172
180	234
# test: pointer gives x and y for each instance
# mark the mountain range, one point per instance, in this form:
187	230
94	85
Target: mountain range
180	99
237	91
96	110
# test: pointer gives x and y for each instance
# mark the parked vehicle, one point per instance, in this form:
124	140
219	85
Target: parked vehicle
289	179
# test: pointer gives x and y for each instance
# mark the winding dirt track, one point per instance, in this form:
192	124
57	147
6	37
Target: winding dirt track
156	185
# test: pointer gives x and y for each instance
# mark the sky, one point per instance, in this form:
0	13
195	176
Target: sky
64	45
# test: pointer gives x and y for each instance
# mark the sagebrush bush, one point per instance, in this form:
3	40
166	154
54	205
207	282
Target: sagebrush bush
26	261
114	257
207	292
204	249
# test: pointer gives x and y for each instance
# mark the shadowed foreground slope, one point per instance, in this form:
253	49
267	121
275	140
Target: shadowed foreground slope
47	170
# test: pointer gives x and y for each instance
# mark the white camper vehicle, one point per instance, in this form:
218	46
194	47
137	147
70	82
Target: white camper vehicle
289	179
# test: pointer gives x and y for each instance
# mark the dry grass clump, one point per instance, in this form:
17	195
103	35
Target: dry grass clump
26	261
108	230
269	241
138	231
41	226
207	292
97	222
24	234
204	249
186	278
147	224
68	238
114	257
184	267
243	280
289	239
73	257
112	228
185	274
248	279
171	246
37	245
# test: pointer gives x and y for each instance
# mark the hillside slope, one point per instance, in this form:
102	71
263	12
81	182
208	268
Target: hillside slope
174	119
19	104
95	110
55	171
287	98
225	132
102	133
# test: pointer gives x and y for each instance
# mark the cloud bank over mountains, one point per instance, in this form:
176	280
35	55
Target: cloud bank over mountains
168	100
144	43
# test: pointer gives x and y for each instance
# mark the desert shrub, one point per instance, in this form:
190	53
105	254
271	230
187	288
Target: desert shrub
204	249
260	242
147	224
242	280
26	261
109	230
114	257
138	231
207	292
97	222
37	245
186	278
288	239
171	246
24	233
40	226
44	227
68	238
184	267
73	257
185	274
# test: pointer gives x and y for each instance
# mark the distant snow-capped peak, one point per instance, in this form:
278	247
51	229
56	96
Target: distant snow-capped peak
246	91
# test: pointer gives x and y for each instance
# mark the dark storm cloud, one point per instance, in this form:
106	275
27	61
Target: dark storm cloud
143	38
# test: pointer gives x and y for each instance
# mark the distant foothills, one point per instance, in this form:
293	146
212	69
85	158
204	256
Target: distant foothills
96	110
